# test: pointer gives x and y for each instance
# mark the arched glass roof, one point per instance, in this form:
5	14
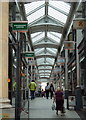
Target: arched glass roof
46	21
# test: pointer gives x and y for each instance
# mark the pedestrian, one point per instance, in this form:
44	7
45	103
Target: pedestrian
59	99
47	89
51	90
39	91
43	93
32	87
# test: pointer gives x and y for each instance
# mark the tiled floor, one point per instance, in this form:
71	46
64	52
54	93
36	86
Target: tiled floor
41	108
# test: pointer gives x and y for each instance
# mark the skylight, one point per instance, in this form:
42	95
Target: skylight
35	15
57	15
37	37
53	37
33	5
61	5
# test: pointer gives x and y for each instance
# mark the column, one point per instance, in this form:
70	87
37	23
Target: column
78	88
4	24
66	78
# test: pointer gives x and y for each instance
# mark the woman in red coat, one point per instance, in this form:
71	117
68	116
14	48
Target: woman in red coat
59	100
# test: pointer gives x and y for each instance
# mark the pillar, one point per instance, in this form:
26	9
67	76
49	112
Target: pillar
78	88
4	24
66	78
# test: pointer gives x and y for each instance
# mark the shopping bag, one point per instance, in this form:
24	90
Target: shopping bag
64	111
53	106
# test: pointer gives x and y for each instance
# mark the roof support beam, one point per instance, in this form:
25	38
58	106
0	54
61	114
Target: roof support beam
63	12
67	27
45	56
44	65
46	45
35	10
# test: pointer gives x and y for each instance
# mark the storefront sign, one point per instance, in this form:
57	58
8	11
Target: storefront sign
79	23
29	54
20	26
69	45
57	70
61	61
32	62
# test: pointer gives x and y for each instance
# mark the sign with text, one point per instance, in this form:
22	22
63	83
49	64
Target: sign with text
61	61
20	26
32	62
29	54
69	45
57	70
79	23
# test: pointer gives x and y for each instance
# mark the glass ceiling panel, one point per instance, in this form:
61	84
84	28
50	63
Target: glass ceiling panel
56	39
45	67
56	34
37	37
61	5
35	34
31	6
35	15
49	71
57	15
44	76
50	60
44	73
38	51
40	59
52	49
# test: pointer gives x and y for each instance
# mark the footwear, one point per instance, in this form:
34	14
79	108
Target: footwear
62	114
57	113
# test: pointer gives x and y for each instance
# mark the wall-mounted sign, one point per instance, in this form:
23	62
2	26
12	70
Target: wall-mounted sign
61	61
57	70
20	26
29	54
79	23
32	62
69	45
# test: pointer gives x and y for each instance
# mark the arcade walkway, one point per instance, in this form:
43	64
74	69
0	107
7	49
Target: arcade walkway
41	108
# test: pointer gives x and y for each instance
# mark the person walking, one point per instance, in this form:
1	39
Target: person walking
47	89
59	99
32	87
51	90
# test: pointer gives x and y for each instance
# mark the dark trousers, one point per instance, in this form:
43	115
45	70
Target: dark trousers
47	94
51	94
32	94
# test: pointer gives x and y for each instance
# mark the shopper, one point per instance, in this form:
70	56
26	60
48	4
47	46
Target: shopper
47	89
51	90
32	87
59	99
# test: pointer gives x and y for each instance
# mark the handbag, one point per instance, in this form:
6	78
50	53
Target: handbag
53	106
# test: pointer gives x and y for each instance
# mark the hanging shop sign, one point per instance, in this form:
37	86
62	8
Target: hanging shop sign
69	45
32	62
61	61
79	23
57	70
29	54
20	26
